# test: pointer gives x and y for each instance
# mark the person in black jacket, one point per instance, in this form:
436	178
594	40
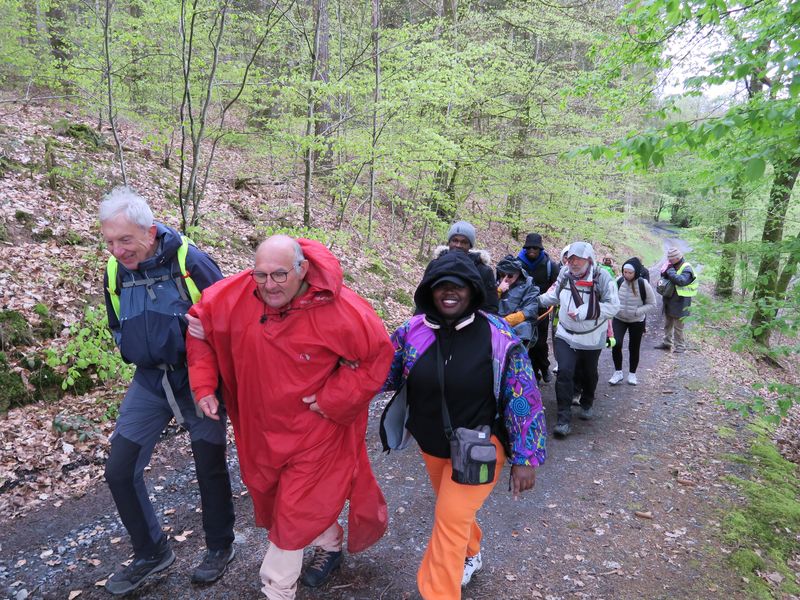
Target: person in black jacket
461	238
544	271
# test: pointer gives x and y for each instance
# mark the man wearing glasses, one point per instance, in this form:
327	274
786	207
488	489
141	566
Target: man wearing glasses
300	356
151	279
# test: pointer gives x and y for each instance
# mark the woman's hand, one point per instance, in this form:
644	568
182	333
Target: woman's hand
523	477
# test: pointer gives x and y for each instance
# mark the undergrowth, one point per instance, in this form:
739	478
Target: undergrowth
766	530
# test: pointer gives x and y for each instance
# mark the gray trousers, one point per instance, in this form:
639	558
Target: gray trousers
673	332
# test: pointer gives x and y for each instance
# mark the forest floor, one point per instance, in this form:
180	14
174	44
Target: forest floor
627	507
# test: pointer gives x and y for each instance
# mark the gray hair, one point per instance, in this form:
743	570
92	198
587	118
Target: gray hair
123	200
299	257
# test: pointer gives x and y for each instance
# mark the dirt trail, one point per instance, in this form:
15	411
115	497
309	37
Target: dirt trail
652	449
576	535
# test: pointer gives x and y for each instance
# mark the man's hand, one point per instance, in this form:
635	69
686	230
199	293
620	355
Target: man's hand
209	405
350	364
195	327
312	404
523	477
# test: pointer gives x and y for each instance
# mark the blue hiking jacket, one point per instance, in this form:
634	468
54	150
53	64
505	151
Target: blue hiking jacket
151	327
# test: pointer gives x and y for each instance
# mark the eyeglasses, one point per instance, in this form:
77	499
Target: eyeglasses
277	276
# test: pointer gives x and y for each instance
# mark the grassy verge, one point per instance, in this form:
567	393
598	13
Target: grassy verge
766	530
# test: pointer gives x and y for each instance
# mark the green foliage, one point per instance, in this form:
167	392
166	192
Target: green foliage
14	330
764	529
12	388
48	327
80	175
79	131
90	355
84	428
403	297
44	379
24	218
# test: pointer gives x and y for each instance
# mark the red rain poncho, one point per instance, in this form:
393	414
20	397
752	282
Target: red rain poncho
299	467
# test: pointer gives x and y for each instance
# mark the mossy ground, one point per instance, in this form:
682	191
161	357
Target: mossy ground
765	530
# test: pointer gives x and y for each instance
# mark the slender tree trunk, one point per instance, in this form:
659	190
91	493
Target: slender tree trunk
112	117
764	295
308	155
322	110
376	96
727	267
790	268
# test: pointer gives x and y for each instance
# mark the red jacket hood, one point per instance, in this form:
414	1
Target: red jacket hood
324	271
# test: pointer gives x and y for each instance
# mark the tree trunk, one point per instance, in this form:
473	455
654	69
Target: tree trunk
727	267
112	116
322	110
764	295
376	96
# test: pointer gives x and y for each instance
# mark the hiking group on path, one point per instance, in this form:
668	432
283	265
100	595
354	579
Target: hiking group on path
294	358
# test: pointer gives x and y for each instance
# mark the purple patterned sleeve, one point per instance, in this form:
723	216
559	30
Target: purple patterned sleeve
395	376
522	411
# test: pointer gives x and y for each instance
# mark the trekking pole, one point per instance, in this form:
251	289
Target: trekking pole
544	314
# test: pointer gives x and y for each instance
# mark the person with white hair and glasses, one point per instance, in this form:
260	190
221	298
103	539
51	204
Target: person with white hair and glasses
587	298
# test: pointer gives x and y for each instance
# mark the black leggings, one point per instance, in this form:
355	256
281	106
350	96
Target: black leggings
637	331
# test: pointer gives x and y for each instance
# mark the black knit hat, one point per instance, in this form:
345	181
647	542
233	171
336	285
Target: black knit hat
533	240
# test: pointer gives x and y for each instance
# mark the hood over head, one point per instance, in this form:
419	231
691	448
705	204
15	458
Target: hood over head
509	264
451	264
637	265
581	250
324	271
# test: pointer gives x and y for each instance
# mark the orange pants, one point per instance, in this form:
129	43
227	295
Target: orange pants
455	534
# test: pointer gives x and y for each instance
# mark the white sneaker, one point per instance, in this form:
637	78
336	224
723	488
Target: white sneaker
632	379
615	378
472	564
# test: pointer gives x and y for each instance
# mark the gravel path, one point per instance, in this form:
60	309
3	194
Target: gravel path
652	450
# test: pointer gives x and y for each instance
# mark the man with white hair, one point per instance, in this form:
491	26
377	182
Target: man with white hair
300	357
152	278
587	298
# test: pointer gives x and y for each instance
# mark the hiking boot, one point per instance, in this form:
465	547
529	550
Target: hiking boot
680	350
562	430
615	378
472	564
131	577
547	377
321	566
632	379
663	346
213	566
586	413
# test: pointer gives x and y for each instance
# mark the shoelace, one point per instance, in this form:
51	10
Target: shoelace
320	558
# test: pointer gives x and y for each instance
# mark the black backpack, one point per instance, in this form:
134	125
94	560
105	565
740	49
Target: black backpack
642	289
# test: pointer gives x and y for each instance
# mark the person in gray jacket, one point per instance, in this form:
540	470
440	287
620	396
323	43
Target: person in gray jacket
518	303
636	299
587	298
